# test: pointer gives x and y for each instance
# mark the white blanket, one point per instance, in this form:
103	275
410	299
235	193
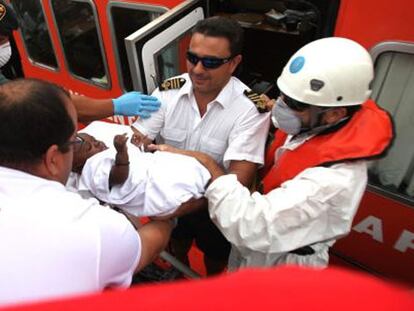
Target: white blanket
158	183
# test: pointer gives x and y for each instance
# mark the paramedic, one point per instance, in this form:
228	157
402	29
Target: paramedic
8	23
316	168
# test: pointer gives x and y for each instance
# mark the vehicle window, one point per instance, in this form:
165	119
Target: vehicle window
392	90
166	60
137	18
35	32
77	25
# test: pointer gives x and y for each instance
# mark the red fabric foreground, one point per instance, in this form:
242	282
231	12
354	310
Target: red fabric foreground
253	289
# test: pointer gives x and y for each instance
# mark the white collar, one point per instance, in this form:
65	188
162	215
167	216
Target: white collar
223	98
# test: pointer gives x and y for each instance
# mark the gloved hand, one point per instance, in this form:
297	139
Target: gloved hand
136	104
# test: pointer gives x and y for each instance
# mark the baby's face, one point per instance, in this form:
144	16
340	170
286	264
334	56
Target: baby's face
84	151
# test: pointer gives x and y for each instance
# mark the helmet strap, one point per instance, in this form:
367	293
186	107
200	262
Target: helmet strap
316	114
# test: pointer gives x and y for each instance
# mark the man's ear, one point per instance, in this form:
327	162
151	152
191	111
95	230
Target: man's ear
334	115
52	161
234	62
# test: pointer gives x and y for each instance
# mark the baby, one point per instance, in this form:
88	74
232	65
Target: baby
142	183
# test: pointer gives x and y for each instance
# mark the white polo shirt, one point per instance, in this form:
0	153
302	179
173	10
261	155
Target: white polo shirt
231	128
53	243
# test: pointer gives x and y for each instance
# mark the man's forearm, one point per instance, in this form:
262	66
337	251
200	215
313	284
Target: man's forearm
154	238
90	109
209	163
245	171
191	206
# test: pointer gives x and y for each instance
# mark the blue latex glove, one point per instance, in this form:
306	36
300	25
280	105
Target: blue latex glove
136	104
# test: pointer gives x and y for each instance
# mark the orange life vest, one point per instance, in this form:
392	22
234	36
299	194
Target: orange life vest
367	134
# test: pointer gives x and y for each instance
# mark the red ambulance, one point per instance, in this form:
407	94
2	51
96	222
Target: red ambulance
102	48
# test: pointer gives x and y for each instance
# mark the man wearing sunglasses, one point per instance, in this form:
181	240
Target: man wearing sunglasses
206	110
53	243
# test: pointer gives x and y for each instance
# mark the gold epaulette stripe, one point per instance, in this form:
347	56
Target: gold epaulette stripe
3	12
172	84
257	100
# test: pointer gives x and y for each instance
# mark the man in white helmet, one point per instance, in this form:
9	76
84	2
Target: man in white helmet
316	168
8	23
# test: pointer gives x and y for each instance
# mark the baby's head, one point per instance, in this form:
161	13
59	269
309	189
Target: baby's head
82	152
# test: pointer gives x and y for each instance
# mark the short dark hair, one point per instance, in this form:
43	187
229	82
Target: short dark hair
33	117
218	26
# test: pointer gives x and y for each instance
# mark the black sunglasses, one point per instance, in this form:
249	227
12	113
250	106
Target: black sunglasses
294	104
208	62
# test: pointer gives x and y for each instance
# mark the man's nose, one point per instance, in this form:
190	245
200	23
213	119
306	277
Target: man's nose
199	68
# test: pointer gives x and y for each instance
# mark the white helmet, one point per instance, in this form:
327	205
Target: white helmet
329	72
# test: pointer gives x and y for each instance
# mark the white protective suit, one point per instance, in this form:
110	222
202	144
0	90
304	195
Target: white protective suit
315	208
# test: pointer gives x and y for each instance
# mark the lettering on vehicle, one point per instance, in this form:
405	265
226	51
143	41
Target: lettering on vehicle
123	120
372	226
405	241
72	92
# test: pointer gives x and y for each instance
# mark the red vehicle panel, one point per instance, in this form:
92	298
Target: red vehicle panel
371	22
63	76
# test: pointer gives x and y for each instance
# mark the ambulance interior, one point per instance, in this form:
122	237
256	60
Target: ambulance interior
274	30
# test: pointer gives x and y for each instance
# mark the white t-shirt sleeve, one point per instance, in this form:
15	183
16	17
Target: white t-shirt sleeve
153	125
120	248
248	138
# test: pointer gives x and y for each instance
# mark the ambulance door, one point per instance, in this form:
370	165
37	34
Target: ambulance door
157	50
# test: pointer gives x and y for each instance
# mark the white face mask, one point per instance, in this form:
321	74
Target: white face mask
285	118
5	53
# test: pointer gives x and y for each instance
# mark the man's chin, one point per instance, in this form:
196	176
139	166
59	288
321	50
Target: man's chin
202	87
198	81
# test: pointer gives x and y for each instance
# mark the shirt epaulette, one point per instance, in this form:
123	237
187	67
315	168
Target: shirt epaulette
8	19
171	84
2	11
257	99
